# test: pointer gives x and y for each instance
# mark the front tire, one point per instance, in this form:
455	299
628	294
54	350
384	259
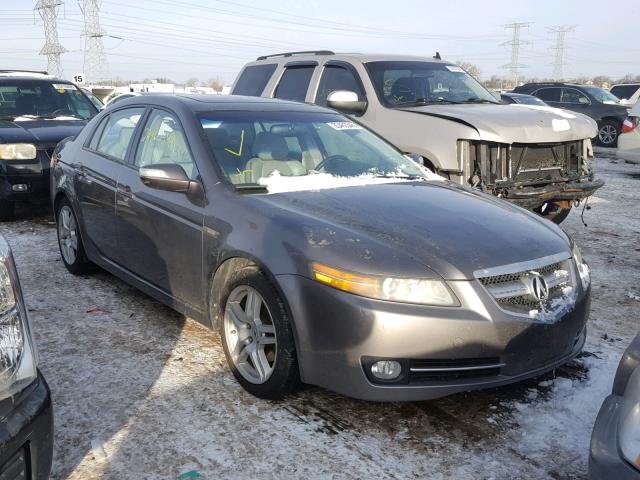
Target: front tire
72	250
7	210
608	133
557	215
257	336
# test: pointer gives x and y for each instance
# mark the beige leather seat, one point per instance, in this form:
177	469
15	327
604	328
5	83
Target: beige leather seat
118	149
270	153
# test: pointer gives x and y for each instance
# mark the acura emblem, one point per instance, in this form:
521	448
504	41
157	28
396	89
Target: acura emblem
537	286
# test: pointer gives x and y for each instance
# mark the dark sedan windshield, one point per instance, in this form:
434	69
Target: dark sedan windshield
425	83
301	151
43	99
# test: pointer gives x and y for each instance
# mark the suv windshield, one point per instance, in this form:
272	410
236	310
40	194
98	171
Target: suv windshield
425	83
43	99
601	95
286	151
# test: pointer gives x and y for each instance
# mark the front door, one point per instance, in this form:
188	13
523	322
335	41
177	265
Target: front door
96	177
160	232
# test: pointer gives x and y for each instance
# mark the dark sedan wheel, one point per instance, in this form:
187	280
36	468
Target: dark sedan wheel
608	133
7	210
70	242
257	337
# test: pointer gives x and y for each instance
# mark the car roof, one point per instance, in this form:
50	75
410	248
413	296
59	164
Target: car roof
6	78
353	57
204	102
515	94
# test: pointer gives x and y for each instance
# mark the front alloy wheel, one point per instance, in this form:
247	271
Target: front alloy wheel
250	334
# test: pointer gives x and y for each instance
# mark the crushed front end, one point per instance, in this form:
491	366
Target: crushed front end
536	176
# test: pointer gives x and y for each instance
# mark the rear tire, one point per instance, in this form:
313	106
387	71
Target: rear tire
257	336
557	215
608	133
7	210
70	243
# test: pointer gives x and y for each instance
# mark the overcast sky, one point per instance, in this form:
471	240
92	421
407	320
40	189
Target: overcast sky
180	39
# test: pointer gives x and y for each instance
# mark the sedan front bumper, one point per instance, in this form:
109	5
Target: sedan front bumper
443	350
605	460
26	433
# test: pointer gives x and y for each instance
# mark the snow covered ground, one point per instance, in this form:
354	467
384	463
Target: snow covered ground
140	392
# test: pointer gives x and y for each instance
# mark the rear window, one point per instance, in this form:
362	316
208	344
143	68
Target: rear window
253	79
294	83
548	94
624	91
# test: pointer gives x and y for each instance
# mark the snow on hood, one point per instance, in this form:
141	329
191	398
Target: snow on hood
516	124
277	183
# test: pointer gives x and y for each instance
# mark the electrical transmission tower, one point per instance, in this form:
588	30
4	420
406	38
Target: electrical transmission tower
96	69
516	42
559	62
48	10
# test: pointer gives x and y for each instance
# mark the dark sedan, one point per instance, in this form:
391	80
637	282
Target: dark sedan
36	112
26	430
317	249
590	100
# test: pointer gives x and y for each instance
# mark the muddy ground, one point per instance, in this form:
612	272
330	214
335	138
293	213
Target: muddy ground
141	392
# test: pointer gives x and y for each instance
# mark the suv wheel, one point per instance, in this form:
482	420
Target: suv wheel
7	209
608	133
257	337
69	240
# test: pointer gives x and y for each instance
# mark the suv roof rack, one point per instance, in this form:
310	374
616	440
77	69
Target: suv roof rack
21	72
304	52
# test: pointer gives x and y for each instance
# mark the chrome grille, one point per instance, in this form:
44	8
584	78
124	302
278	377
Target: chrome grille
512	291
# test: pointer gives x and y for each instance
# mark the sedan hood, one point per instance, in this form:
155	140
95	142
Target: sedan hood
39	131
451	231
516	123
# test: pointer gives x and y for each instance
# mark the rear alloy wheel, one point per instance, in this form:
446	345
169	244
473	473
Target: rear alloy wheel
70	242
257	337
608	133
7	210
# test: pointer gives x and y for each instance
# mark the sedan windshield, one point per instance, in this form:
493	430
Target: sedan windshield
286	151
43	99
425	83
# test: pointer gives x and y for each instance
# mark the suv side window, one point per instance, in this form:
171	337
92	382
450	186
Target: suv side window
571	95
551	94
334	78
117	133
253	79
163	141
294	83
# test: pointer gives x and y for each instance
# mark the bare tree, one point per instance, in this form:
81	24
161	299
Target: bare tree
470	68
191	82
214	83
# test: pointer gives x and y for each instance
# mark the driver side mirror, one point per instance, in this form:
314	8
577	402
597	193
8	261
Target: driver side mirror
167	176
346	101
584	100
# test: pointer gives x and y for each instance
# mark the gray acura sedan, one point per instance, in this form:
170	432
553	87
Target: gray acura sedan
317	250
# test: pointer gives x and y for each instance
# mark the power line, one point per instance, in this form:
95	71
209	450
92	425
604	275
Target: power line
48	10
95	60
516	42
559	62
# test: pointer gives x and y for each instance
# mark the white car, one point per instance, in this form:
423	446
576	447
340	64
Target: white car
629	140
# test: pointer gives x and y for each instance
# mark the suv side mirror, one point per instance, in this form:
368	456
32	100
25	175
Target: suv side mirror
167	176
346	101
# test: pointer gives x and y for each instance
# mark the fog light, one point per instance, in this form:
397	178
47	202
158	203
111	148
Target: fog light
20	187
386	369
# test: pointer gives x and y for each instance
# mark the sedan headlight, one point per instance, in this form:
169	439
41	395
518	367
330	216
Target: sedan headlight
629	426
583	269
17	151
426	291
17	352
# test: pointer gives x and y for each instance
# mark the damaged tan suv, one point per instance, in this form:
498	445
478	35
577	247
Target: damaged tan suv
537	157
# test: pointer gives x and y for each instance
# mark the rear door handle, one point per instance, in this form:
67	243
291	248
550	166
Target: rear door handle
124	188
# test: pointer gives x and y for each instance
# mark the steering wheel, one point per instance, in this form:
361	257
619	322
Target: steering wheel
330	159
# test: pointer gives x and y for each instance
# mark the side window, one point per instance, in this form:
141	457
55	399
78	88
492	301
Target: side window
548	94
294	83
93	144
337	78
571	95
163	141
253	79
116	136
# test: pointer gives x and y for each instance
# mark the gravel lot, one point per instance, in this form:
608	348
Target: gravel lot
141	392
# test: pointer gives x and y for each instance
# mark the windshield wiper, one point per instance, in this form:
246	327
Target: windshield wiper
251	188
479	100
401	177
424	101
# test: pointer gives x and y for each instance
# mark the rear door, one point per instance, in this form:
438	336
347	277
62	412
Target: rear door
160	232
551	95
96	176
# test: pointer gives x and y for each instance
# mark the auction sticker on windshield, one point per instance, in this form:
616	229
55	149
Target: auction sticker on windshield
62	87
344	126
